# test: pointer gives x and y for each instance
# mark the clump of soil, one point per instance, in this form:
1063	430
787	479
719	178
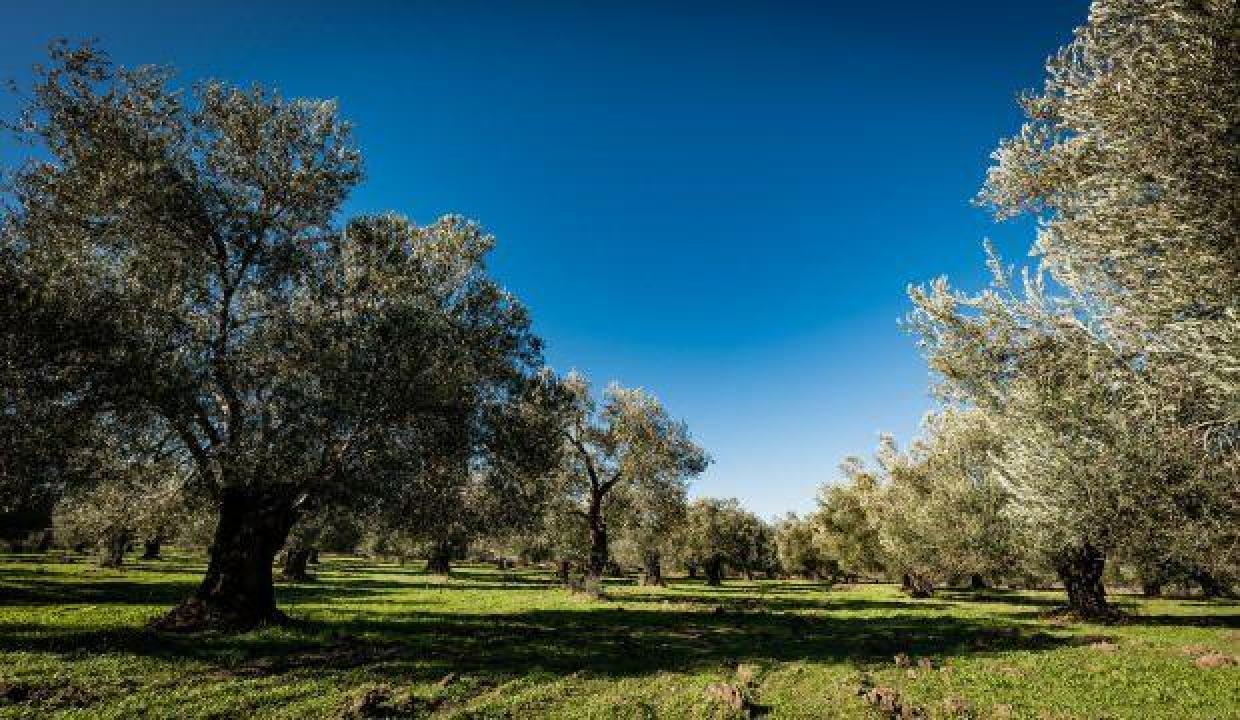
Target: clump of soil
888	702
1213	660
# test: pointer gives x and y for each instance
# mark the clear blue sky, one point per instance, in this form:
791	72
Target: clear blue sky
720	202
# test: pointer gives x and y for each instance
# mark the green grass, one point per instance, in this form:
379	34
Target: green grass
72	645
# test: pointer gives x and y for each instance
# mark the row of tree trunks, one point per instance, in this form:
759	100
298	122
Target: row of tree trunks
237	591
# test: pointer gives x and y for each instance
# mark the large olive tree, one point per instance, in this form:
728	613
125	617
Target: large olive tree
193	240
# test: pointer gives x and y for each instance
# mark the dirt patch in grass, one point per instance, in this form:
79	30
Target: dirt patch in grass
1213	660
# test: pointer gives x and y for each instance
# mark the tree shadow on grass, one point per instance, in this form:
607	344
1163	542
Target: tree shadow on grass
825	602
597	640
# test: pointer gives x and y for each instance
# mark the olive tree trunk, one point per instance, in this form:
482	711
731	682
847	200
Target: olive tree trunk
917	585
652	564
295	561
112	549
237	592
439	562
1080	571
713	568
151	548
596	563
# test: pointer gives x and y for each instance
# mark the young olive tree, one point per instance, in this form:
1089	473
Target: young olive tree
799	551
721	535
295	360
842	525
651	516
629	444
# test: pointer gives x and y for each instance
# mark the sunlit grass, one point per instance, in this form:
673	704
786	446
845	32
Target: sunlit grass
488	643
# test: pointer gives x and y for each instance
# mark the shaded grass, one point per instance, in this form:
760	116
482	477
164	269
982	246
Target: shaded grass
514	644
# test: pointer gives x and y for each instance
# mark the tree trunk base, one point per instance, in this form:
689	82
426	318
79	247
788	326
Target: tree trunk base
916	586
294	569
151	550
196	615
1080	570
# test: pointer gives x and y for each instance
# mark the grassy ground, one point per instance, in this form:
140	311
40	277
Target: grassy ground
486	643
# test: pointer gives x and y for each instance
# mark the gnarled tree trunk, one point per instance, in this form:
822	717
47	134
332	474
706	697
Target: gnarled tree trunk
652	564
917	585
1080	571
596	563
295	560
440	560
151	548
713	567
112	550
237	592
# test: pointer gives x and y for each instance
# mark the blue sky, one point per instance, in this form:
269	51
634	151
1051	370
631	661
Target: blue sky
720	202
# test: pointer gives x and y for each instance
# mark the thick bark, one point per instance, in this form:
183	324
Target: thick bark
295	560
112	551
151	548
237	592
714	571
596	564
1080	571
440	560
652	564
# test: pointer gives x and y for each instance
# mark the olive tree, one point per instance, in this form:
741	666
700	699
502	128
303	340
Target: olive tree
293	357
722	535
1113	387
799	550
630	443
842	525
